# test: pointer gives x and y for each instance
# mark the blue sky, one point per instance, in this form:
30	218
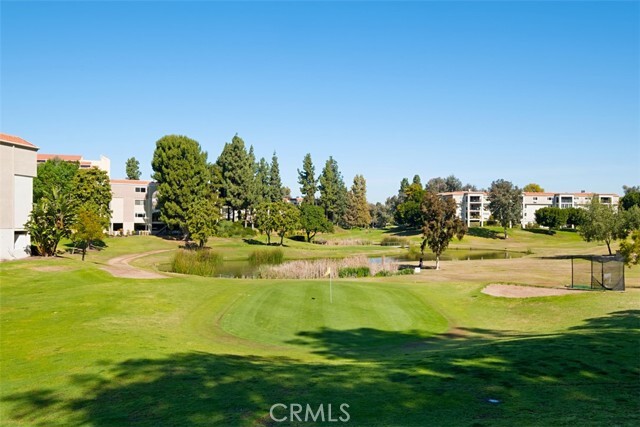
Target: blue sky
545	92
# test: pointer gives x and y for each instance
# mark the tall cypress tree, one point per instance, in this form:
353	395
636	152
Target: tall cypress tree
237	174
183	176
333	191
275	183
357	213
307	180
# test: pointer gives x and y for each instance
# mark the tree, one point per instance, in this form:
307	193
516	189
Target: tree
93	187
333	191
357	213
88	227
416	180
631	197
286	218
505	203
575	216
630	249
275	183
183	176
440	224
133	168
444	185
552	217
604	223
50	220
237	175
380	215
54	173
201	220
307	180
312	221
409	213
533	188
265	219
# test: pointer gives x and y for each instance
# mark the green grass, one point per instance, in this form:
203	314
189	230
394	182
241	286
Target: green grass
80	347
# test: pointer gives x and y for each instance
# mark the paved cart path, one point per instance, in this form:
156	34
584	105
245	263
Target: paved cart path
120	267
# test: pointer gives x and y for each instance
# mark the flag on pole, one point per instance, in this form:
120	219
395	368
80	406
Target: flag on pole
328	272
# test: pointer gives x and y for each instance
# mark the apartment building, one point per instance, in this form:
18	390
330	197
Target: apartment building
104	163
471	206
17	170
531	202
133	207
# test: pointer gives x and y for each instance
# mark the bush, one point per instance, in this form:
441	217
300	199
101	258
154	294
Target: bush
405	271
201	262
383	273
271	256
233	229
394	241
319	241
354	272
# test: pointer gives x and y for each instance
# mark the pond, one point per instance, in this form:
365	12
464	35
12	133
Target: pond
245	269
452	255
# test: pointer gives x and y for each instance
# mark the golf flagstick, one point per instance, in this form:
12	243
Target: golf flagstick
330	285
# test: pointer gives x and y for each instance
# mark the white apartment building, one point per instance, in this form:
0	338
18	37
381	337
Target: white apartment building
133	207
471	206
104	163
17	170
531	202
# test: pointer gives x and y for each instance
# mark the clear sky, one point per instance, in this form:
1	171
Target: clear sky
545	92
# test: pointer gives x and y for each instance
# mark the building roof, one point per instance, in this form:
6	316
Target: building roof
131	181
63	157
16	140
460	193
537	193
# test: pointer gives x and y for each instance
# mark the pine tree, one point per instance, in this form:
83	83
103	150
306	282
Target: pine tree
237	174
275	183
183	176
357	213
307	180
333	192
133	168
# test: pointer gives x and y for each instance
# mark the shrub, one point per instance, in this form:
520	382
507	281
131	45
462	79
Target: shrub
233	229
271	256
384	273
319	241
405	271
394	241
354	272
200	262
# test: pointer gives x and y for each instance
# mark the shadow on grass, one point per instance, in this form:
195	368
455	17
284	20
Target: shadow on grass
540	231
588	372
254	242
484	233
403	231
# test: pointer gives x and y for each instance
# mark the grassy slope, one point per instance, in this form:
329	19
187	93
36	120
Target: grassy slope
80	347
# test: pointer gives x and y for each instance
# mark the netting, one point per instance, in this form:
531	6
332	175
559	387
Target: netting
597	272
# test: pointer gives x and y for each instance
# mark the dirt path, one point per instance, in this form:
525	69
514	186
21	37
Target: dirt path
513	291
119	267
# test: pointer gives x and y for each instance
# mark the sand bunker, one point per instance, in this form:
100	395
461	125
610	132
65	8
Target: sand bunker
513	291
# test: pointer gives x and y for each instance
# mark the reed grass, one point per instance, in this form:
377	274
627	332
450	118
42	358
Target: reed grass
201	262
269	256
316	269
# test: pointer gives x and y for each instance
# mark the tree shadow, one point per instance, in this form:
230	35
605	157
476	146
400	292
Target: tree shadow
403	231
464	377
254	242
483	232
540	231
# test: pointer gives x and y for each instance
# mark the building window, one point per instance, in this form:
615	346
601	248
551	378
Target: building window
139	215
139	202
141	190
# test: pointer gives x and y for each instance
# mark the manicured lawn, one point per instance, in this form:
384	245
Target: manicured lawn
80	347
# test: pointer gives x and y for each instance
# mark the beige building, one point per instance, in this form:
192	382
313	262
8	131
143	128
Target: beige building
17	170
472	206
104	163
132	206
531	202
